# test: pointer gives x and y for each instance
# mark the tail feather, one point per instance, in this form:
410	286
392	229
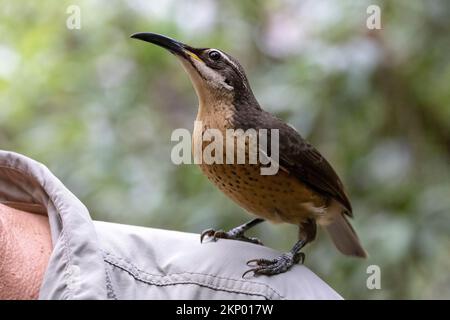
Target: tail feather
345	238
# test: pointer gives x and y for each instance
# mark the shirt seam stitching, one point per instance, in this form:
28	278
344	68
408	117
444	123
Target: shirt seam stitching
123	267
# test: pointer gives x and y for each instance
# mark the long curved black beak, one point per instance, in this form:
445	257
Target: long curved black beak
170	44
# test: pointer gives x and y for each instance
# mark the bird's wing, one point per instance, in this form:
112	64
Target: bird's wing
304	162
301	159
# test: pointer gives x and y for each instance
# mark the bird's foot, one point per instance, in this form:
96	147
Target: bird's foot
278	265
233	234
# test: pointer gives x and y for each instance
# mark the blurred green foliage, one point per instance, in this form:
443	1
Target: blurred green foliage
98	108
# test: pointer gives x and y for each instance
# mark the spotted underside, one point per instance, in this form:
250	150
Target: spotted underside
278	198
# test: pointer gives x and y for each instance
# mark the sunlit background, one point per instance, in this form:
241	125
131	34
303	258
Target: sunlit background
98	109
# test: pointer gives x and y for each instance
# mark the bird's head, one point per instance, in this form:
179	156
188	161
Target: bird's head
214	74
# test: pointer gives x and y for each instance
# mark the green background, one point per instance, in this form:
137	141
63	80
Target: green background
98	109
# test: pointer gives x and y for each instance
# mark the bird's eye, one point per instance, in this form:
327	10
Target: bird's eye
214	55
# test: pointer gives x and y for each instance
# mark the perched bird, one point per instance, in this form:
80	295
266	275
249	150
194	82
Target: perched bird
305	191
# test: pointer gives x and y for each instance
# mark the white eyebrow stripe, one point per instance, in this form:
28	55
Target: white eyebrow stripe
233	64
228	59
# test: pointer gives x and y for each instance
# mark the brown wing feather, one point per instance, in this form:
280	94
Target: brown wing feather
298	157
309	166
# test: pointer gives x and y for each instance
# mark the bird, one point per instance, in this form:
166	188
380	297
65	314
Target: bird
305	191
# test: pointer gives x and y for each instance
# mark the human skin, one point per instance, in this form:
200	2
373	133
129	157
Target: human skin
25	248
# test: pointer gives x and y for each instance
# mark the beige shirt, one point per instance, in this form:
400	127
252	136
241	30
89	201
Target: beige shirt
100	260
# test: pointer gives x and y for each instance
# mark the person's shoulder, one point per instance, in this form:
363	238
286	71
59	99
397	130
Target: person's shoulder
175	265
25	247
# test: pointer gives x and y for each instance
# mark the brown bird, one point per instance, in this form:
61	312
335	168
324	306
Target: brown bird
305	190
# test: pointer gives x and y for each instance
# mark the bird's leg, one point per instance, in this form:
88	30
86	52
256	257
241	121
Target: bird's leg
280	264
307	233
235	233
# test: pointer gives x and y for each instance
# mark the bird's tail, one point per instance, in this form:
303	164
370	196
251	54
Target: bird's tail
345	238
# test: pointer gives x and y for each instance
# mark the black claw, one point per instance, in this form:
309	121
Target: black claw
207	232
248	271
249	262
260	262
299	258
271	267
220	234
